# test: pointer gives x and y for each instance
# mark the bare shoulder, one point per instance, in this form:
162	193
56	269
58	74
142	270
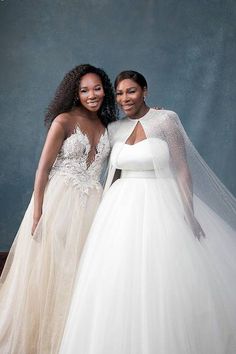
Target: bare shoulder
63	119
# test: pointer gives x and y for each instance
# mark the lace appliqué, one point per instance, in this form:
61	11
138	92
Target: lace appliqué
72	162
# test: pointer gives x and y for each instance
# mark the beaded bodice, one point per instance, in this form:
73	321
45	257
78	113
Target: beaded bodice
74	160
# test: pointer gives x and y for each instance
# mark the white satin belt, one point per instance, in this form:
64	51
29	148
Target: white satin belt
138	174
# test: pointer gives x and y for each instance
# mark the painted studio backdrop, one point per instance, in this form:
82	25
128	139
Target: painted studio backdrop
186	49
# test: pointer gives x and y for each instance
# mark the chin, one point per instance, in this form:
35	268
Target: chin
93	109
130	113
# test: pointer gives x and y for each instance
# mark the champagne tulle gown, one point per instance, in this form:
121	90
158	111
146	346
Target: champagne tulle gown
37	281
145	284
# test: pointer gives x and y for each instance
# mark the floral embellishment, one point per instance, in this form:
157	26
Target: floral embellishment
74	161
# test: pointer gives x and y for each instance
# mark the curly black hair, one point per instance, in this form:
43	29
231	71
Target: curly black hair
66	94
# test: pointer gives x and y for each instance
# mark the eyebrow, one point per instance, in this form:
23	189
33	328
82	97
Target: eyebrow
87	86
129	88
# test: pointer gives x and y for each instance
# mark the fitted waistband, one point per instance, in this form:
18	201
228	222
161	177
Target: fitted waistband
138	174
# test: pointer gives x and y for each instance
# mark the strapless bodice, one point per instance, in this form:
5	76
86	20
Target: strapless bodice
132	157
142	156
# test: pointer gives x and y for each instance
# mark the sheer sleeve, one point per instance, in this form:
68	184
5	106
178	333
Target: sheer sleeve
178	158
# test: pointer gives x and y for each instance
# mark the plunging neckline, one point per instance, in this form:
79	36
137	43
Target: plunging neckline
78	128
88	147
89	162
88	140
95	148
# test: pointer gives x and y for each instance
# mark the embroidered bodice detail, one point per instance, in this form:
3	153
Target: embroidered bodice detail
74	160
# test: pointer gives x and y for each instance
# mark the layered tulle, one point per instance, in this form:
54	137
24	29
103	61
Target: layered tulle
37	281
146	284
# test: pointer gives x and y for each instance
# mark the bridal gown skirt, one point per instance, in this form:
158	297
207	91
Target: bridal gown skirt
37	281
145	284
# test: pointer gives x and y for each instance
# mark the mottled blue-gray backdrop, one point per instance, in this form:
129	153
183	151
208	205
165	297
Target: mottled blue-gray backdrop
185	48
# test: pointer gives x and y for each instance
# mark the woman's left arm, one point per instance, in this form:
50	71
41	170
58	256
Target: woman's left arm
178	156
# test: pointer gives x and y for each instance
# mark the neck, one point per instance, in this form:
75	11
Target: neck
141	112
86	113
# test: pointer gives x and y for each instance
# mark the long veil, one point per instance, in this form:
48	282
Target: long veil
194	176
207	186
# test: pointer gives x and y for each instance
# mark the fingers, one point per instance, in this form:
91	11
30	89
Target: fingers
158	108
33	228
200	233
197	230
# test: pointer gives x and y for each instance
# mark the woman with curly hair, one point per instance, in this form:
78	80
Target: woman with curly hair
37	281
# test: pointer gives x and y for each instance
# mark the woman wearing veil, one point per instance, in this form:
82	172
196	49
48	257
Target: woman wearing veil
158	271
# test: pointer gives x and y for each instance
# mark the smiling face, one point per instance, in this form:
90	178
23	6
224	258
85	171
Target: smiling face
91	92
130	97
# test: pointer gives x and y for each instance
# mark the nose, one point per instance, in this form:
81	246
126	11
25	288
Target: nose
91	94
125	98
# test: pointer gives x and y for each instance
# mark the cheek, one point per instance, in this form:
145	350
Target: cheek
118	99
102	93
139	99
82	96
83	99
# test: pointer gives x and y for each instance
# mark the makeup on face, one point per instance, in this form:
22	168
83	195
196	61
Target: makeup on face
130	97
91	92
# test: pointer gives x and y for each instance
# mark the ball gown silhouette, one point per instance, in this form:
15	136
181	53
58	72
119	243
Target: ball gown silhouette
145	283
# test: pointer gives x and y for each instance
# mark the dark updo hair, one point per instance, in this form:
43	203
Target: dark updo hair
132	75
66	95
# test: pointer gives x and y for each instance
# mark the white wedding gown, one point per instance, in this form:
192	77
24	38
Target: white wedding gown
145	284
37	282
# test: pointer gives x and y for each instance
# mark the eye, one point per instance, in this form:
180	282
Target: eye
98	88
132	91
83	90
118	93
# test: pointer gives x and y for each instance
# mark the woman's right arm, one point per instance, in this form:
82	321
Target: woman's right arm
53	143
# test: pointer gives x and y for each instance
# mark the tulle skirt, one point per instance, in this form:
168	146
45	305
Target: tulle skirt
37	281
146	285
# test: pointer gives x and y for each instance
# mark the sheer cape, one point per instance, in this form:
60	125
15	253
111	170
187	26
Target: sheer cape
193	176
